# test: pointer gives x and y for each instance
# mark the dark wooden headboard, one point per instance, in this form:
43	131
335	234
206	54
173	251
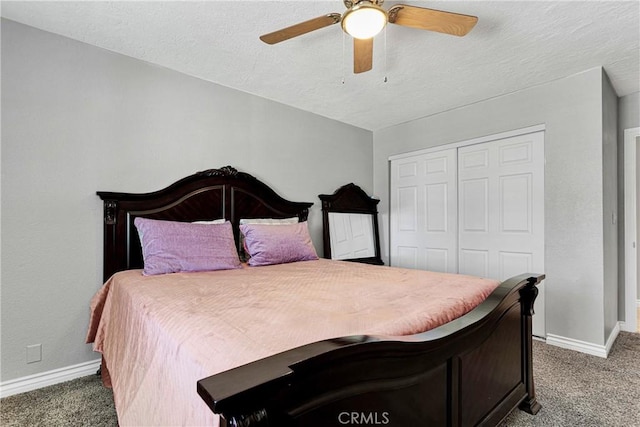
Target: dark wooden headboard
207	195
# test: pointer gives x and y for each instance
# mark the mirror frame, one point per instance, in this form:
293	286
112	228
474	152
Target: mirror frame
350	199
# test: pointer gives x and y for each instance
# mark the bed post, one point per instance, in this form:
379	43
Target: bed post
110	224
528	296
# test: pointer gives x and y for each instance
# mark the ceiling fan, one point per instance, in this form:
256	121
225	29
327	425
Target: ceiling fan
363	19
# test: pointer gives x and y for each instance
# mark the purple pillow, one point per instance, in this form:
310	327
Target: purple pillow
277	245
170	246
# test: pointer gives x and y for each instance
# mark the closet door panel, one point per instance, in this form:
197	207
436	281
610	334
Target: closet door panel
474	205
407	257
408	209
474	262
514	263
503	218
515	203
404	213
437	259
436	211
424	212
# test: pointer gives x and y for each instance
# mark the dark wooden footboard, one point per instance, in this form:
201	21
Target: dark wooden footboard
471	371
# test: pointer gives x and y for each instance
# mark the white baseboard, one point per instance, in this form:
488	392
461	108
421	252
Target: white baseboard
583	346
32	382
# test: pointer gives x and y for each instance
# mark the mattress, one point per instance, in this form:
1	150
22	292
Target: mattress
159	335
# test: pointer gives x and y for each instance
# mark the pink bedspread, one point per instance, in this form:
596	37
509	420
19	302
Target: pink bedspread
159	335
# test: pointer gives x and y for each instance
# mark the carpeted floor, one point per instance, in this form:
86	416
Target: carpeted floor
574	389
81	402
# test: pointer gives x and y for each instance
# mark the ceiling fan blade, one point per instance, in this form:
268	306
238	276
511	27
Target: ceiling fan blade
362	55
301	28
433	20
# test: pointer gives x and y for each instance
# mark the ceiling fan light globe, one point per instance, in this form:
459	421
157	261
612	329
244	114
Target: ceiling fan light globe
364	21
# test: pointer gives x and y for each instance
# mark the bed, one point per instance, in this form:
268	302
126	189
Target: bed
469	364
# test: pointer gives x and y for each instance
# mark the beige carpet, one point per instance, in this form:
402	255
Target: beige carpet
576	389
81	402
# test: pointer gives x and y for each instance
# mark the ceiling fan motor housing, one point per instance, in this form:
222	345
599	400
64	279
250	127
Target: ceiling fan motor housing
365	19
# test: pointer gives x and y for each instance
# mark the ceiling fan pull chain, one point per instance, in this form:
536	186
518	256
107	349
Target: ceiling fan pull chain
384	80
343	55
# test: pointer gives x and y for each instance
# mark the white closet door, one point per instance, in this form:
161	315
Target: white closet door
476	209
424	213
501	210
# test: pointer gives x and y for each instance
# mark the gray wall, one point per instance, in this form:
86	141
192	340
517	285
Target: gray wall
629	111
628	117
77	119
610	204
572	111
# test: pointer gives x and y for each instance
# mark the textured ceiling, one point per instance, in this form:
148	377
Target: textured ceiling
515	45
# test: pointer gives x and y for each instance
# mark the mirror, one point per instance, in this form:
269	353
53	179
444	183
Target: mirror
351	235
350	225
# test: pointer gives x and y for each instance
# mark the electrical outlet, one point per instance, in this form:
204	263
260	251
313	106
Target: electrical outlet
34	353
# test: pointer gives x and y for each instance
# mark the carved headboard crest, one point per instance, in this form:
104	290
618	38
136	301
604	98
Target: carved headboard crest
223	171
